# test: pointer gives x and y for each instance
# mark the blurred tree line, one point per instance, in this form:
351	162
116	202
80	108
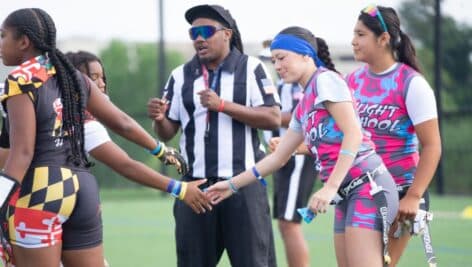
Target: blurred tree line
133	78
418	21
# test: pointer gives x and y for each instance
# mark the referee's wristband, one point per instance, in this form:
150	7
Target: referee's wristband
258	176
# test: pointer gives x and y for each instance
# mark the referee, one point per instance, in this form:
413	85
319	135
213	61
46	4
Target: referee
219	99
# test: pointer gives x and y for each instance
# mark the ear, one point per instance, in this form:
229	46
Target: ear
228	34
24	42
384	39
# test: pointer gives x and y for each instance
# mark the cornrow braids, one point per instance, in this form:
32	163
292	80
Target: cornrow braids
39	27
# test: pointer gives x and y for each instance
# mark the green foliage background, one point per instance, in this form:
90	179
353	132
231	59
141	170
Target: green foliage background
132	79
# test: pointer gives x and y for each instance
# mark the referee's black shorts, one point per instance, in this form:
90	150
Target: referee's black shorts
240	224
293	185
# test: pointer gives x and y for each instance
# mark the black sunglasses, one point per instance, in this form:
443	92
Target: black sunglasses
205	31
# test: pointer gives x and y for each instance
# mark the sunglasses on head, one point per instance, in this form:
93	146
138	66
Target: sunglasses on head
205	31
373	11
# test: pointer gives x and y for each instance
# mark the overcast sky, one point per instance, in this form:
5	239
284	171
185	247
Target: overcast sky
257	19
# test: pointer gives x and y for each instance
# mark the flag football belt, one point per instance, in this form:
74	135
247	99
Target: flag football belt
418	226
380	200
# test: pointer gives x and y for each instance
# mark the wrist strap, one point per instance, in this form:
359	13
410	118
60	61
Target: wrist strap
163	150
347	152
233	188
176	189
156	150
183	191
258	176
170	186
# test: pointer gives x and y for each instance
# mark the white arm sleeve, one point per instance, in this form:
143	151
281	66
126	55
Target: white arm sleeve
420	101
95	135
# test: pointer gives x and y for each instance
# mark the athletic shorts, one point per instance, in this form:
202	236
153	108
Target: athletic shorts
55	205
293	185
358	209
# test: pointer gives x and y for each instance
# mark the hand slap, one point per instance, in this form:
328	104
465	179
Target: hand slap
196	198
218	192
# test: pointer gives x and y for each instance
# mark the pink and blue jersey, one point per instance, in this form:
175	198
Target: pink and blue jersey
322	136
383	112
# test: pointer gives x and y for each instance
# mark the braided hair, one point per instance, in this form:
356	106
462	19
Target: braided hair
400	43
39	27
318	44
81	60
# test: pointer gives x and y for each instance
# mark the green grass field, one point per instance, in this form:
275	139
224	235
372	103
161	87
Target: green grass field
139	231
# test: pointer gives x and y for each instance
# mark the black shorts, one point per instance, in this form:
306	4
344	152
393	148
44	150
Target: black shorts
56	205
240	224
293	185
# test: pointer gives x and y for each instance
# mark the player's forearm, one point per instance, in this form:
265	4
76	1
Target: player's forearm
165	129
429	159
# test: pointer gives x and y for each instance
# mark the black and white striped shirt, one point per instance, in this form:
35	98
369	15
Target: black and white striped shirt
290	94
231	146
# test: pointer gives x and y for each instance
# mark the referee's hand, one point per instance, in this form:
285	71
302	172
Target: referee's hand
209	99
157	108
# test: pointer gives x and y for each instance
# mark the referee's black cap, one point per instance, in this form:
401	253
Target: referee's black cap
214	12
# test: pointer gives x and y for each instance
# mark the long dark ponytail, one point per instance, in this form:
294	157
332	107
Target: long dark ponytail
39	27
400	43
317	43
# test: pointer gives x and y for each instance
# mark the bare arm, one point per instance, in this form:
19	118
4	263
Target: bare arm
266	166
266	118
345	117
430	140
22	121
118	121
262	117
286	117
116	158
163	127
3	156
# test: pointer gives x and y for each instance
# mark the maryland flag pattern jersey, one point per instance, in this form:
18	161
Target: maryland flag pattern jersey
36	78
57	202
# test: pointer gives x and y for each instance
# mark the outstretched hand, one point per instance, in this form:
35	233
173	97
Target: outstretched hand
196	198
218	192
173	157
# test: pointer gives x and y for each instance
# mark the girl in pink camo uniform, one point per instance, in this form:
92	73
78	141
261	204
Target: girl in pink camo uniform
388	89
326	120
